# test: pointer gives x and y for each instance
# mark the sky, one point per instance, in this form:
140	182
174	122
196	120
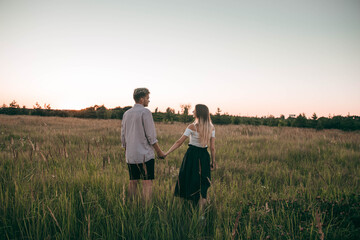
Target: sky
248	58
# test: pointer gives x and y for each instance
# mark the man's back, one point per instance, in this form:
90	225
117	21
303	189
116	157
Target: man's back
138	134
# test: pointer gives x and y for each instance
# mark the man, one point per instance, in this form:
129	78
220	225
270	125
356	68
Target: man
138	136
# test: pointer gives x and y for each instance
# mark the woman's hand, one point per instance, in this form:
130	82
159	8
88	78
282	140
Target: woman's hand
213	166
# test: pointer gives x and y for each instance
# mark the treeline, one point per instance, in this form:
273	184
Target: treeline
346	123
99	112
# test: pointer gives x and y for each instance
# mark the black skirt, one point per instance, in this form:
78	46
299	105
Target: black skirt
194	175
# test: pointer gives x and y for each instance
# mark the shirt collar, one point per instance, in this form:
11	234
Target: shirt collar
138	105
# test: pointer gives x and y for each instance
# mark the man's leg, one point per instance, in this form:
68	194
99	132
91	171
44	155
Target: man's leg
147	190
202	203
147	184
132	188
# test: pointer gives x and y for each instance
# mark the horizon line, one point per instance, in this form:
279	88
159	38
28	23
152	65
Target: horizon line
225	113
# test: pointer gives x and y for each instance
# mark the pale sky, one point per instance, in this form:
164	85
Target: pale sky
249	58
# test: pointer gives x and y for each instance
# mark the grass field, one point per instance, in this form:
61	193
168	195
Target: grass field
66	178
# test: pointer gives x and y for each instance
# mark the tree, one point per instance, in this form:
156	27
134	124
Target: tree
89	112
185	112
37	110
271	120
169	115
281	121
314	117
236	120
216	119
300	121
319	125
101	112
314	120
218	111
14	104
47	106
225	119
37	106
117	113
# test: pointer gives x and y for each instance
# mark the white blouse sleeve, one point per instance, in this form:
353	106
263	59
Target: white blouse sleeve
213	133
187	132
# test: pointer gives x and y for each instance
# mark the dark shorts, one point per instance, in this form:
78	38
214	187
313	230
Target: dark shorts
143	171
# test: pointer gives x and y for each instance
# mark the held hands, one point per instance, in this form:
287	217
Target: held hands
161	154
165	154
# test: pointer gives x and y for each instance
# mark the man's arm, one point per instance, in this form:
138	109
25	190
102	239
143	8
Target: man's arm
159	152
150	133
149	128
123	142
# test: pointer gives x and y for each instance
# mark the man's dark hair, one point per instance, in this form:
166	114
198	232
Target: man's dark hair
140	93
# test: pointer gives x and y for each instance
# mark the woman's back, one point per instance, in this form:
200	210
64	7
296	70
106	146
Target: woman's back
192	133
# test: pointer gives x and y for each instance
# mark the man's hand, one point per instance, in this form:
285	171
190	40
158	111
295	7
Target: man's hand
158	151
161	154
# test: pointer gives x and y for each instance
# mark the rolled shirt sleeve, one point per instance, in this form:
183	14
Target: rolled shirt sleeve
123	141
149	127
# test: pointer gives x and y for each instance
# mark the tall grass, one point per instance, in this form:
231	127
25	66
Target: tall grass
65	178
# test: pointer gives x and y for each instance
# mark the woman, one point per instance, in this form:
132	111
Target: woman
194	176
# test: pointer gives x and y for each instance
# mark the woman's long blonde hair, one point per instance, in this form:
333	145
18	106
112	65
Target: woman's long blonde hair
203	123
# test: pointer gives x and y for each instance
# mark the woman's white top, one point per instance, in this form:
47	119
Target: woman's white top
195	138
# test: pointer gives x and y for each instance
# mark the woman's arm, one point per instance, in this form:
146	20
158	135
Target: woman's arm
212	151
177	144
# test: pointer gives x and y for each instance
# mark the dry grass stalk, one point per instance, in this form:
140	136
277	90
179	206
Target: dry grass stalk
63	141
31	143
267	209
236	225
319	224
43	156
31	155
82	201
104	161
15	153
87	217
88	220
66	154
321	176
123	198
53	216
88	150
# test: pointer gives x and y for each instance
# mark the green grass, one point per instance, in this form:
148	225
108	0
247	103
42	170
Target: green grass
65	178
